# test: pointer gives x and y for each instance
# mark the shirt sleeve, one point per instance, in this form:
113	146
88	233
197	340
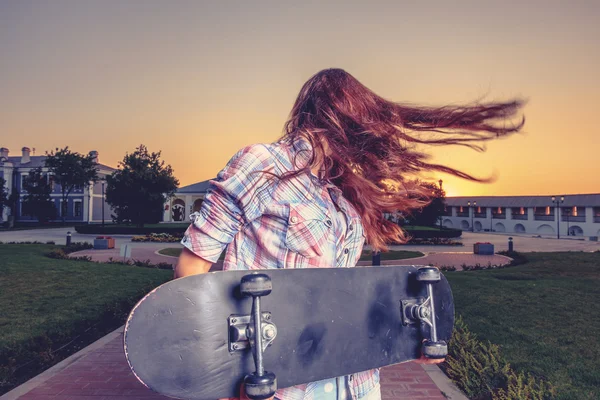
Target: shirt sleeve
236	197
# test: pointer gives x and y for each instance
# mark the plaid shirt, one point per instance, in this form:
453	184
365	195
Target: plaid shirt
265	222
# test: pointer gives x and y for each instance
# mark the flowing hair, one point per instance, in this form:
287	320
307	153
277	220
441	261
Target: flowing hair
365	144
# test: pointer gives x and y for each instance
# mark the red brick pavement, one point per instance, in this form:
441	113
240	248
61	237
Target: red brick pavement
103	374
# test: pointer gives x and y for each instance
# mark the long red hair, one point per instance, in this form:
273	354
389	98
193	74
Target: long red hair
366	144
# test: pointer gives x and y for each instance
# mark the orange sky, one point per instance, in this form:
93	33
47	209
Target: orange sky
199	80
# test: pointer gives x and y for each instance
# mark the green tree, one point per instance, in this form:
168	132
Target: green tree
138	190
37	202
430	214
3	197
71	170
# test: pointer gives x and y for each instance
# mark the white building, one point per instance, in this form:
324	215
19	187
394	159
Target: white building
84	204
186	200
538	215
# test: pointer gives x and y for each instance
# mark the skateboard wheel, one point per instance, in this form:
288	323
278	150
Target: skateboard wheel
428	275
260	387
435	350
256	285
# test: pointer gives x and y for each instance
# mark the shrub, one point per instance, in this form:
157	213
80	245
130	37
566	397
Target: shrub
77	246
140	263
60	254
521	387
447	268
445	233
129	230
434	241
481	372
517	258
157	237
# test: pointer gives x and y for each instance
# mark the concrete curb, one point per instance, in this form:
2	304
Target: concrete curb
446	386
163	255
49	373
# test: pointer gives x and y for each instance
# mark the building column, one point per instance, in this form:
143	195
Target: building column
88	200
189	204
167	210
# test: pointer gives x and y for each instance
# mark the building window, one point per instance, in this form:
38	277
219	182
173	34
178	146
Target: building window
60	208
77	208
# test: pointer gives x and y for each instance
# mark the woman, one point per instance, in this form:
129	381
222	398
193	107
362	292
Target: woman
312	198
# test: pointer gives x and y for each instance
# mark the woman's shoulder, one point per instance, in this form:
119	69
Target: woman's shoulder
279	155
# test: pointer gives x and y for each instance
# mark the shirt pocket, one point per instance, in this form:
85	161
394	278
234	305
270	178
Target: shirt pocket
307	230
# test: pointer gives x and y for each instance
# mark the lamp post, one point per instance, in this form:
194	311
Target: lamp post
102	204
441	216
472	212
557	202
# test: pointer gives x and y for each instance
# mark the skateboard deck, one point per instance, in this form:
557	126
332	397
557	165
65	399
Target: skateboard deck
185	339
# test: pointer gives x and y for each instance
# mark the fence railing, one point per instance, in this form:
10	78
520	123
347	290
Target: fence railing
519	216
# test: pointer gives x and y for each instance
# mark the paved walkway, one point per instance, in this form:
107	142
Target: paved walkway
101	372
456	259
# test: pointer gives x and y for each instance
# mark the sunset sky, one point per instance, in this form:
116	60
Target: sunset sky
199	80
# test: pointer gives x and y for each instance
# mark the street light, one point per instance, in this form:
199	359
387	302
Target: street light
472	212
441	216
102	204
557	202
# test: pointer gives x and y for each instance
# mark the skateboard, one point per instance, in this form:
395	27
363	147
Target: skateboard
202	336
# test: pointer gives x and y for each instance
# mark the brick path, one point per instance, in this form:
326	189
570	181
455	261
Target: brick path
103	374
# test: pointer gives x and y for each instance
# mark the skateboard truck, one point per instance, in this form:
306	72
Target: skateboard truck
257	330
419	310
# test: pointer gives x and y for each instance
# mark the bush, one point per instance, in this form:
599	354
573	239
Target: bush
480	371
129	230
158	237
140	263
517	258
61	254
77	246
445	233
434	241
447	268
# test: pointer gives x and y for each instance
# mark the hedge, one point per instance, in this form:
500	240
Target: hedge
129	230
481	372
446	233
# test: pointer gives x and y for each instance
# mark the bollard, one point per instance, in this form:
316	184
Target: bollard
376	258
68	238
510	244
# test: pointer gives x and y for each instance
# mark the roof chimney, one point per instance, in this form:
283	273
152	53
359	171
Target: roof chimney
94	155
4	152
25	156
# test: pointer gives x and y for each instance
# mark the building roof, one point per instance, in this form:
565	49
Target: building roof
38	161
200	187
571	200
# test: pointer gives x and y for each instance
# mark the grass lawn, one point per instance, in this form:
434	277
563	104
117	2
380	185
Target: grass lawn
366	255
544	314
420	228
47	302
